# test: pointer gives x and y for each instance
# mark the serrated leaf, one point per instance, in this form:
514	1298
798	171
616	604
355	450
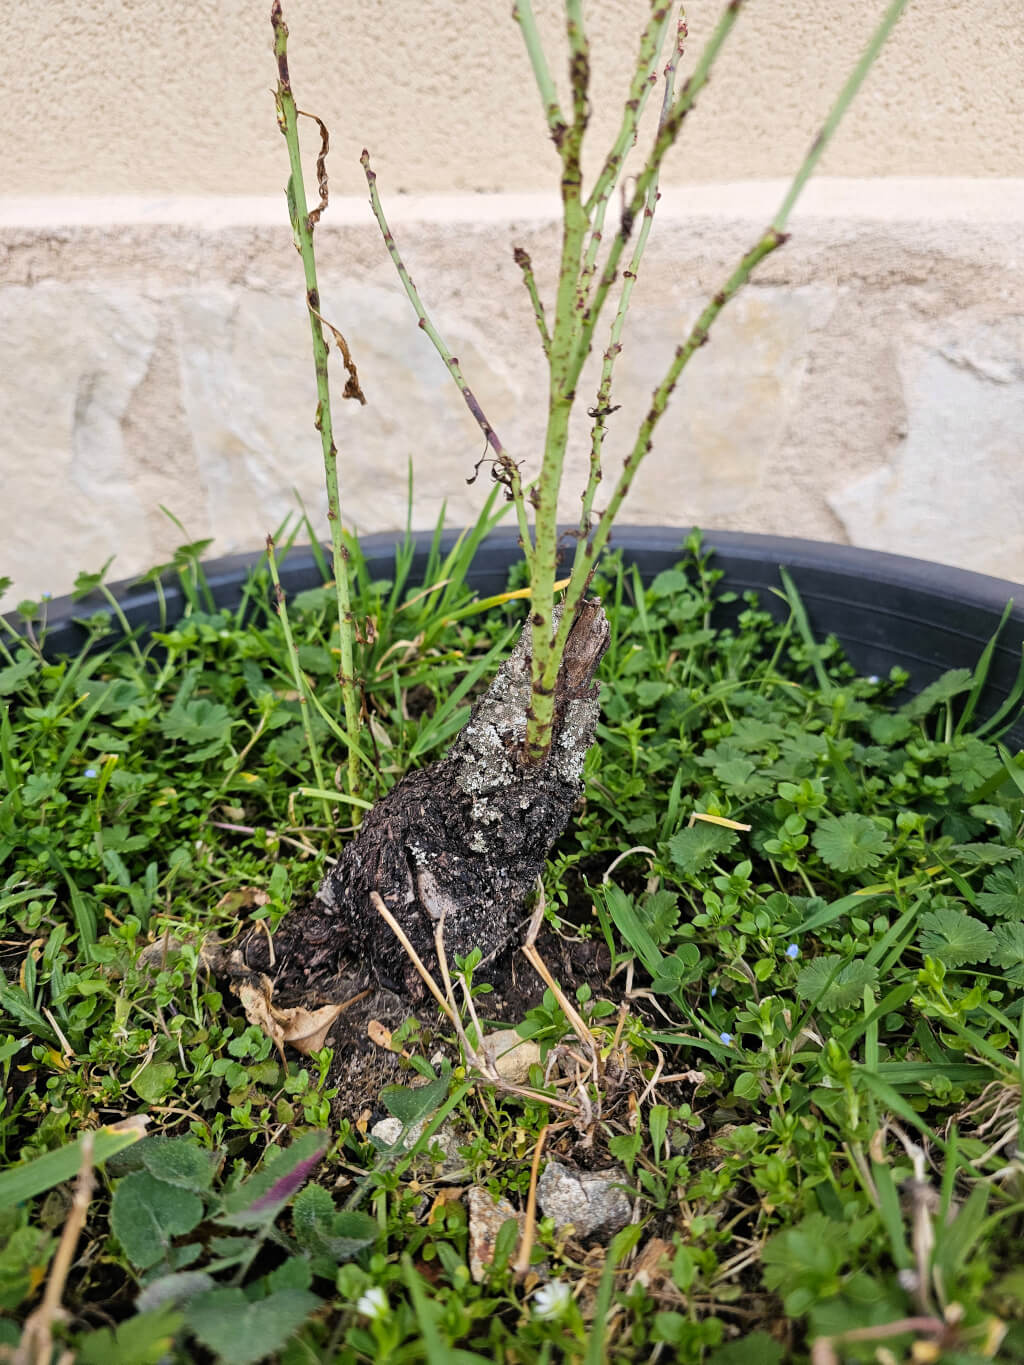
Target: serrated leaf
888	730
1008	950
954	937
261	1198
241	1332
696	847
1003	892
831	985
850	843
146	1215
347	1234
978	855
950	685
660	912
312	1212
198	722
741	778
179	1161
15	675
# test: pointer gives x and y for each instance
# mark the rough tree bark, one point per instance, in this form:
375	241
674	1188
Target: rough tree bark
467	836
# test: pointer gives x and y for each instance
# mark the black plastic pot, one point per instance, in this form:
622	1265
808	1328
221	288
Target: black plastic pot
887	610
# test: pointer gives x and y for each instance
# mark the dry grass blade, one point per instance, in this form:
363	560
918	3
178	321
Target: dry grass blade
36	1345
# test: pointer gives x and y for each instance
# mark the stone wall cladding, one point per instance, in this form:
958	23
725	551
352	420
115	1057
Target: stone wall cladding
868	388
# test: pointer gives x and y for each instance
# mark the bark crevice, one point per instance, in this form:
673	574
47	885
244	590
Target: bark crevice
466	838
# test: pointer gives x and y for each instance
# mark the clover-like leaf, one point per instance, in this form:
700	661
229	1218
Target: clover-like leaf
954	937
850	843
831	984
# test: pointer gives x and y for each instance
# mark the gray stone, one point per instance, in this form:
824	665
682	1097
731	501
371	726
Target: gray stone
389	1131
487	1216
953	488
591	1201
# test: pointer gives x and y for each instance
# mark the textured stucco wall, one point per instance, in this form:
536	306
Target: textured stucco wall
150	97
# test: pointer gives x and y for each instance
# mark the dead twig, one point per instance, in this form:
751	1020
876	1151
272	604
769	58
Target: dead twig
36	1345
522	1261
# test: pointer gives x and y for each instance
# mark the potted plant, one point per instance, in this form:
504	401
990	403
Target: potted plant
773	968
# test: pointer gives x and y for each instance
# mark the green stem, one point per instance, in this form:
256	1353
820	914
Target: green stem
561	396
602	408
667	135
298	677
838	110
506	471
302	227
770	241
640	88
522	260
522	13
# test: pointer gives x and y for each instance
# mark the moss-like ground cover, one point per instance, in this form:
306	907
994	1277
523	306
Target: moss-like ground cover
811	894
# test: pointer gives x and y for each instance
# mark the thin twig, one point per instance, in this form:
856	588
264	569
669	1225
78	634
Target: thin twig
414	957
303	224
522	13
476	1060
506	471
603	406
298	677
522	1261
522	260
773	237
36	1346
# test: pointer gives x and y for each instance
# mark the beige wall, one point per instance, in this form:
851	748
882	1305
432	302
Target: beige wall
148	97
153	345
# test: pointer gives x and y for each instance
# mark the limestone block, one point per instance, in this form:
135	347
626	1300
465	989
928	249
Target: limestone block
249	397
732	406
953	488
72	359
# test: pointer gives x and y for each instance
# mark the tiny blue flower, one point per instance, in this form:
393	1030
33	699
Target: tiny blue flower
726	1039
90	772
792	950
714	992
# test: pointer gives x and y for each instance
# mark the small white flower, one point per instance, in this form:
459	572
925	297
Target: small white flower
551	1299
374	1303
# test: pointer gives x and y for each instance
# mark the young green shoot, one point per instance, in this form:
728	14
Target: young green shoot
303	222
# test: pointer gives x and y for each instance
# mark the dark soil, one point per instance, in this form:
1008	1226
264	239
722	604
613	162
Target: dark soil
460	843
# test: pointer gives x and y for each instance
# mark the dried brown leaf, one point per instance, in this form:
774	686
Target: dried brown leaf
304	1030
